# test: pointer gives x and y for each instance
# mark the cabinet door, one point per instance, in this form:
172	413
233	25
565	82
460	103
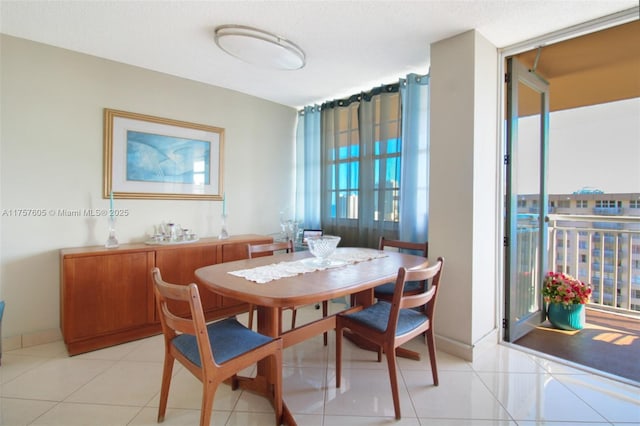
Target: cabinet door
105	294
178	266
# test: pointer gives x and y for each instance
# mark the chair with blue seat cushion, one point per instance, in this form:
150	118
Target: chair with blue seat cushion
385	291
213	353
390	324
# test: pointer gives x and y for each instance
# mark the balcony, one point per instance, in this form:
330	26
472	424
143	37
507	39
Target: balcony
603	251
607	211
609	342
608	260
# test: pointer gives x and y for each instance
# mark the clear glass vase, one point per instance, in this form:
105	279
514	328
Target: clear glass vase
223	235
112	240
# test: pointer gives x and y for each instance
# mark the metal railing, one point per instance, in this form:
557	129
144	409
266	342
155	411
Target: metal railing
603	251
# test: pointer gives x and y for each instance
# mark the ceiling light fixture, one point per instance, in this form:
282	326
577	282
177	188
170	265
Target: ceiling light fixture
259	47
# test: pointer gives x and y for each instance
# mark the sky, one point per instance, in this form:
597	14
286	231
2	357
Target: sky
596	146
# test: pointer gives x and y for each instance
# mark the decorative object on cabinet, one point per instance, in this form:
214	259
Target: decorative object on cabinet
112	240
168	233
148	157
224	234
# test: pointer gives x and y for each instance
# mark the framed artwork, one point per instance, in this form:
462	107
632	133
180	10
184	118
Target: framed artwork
148	157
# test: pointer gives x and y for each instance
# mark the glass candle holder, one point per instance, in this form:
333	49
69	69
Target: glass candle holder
112	240
223	235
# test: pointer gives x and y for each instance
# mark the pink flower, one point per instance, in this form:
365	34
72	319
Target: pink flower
563	288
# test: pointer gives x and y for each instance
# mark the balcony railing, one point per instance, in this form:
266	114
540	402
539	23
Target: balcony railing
603	251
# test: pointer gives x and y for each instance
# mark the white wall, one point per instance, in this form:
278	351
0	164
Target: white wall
51	158
464	190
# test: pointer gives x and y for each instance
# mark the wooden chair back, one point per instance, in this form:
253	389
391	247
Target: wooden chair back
421	249
181	331
387	325
385	291
265	250
253	249
424	302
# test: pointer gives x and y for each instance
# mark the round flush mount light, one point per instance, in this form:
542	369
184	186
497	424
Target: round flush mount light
259	47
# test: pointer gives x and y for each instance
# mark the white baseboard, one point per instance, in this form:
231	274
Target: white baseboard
464	350
31	339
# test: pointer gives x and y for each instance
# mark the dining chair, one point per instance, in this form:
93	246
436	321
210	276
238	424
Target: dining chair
385	291
388	325
288	247
213	353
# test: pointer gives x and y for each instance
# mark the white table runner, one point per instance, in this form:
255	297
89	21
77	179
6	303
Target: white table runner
341	257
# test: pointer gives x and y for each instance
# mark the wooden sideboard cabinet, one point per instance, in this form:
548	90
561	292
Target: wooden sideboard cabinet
106	295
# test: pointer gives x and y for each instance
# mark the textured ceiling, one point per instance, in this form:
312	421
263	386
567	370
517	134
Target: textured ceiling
350	45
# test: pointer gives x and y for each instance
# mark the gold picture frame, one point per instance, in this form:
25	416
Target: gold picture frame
147	157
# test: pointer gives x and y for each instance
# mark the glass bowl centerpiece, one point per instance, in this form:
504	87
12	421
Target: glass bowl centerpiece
322	247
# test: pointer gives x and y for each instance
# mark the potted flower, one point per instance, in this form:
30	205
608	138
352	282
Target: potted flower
565	297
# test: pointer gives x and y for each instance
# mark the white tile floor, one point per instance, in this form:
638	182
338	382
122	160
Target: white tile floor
41	385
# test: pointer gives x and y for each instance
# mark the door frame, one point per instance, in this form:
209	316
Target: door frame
581	29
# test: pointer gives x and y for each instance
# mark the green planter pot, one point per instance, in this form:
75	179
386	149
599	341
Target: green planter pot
566	317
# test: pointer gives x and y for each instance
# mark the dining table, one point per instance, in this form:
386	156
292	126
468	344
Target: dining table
295	279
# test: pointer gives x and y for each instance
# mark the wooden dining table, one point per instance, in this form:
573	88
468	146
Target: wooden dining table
354	280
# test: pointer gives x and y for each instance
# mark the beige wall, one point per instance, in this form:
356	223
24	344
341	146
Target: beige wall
51	158
463	221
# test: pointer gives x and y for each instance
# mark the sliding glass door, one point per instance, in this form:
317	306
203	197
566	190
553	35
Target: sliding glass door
526	198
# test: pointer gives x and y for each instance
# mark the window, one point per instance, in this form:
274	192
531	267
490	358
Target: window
353	167
582	204
634	204
608	204
564	204
355	156
583	258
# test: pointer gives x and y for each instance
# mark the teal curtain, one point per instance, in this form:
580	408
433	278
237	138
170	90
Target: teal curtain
357	127
308	168
361	166
414	187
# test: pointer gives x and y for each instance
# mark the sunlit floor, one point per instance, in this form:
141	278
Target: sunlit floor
41	385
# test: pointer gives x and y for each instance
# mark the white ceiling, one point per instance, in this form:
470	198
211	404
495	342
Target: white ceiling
349	45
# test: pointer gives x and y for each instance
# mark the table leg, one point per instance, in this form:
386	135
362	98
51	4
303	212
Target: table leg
269	324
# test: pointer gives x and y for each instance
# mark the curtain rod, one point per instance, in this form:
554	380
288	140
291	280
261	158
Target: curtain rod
385	88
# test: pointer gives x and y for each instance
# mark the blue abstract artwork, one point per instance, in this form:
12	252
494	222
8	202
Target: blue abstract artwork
160	158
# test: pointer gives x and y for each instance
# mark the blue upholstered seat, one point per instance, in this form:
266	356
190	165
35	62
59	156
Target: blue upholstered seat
228	339
376	316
